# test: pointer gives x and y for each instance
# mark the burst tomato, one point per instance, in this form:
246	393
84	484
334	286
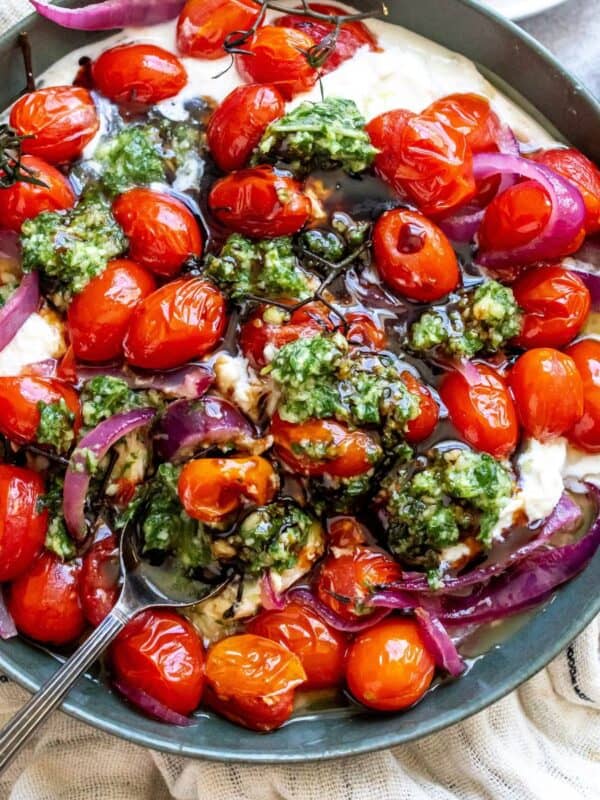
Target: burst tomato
365	331
204	25
99	316
471	115
23	201
99	583
162	231
44	601
138	74
277	56
389	667
23	522
384	132
251	681
160	653
586	432
548	392
424	424
320	648
556	303
413	256
257	333
482	410
19	404
178	322
237	125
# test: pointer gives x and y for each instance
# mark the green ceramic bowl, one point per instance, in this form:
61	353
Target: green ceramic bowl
508	57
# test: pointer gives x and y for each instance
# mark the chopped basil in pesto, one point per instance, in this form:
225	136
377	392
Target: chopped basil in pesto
58	540
132	157
56	425
104	396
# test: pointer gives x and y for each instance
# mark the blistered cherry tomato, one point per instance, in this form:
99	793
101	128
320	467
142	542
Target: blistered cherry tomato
424	424
162	231
19	404
389	667
349	452
44	601
99	582
23	521
58	122
548	392
482	410
413	256
346	532
384	132
259	202
346	580
238	123
99	316
586	432
277	57
251	681
211	489
320	648
351	36
257	333
582	173
471	115
139	74
556	303
23	201
160	653
204	25
178	322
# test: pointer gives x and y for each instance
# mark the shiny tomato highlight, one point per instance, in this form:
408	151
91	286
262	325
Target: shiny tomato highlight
469	114
23	520
204	25
138	74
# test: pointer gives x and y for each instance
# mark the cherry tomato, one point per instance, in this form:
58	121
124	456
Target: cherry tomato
556	303
471	115
586	432
548	392
424	424
320	648
23	201
582	173
351	37
99	582
204	25
140	74
259	202
349	452
256	333
346	532
345	581
211	489
384	132
44	601
19	404
99	316
178	322
413	256
23	522
160	653
389	667
251	681
277	57
365	331
162	231
237	125
482	410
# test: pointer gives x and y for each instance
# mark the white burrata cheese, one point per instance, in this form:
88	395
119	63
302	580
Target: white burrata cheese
41	337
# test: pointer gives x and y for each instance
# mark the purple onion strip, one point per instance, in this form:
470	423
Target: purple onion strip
110	13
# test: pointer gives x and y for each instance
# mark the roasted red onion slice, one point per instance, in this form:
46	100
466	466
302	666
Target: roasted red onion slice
439	643
20	305
90	450
7	626
331	618
153	708
269	598
187	382
110	13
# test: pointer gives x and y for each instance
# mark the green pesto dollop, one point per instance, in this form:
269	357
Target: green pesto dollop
104	396
341	243
56	425
485	319
323	135
58	540
133	157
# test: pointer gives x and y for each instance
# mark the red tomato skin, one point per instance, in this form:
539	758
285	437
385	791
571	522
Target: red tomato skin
237	125
548	392
59	121
162	231
99	316
23	201
384	132
515	217
99	583
483	412
256	334
139	74
365	331
248	202
44	601
23	524
320	648
160	653
19	398
180	321
203	25
586	432
471	115
556	303
253	713
423	426
277	58
413	256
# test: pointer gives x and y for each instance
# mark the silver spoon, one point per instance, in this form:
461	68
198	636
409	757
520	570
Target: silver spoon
144	586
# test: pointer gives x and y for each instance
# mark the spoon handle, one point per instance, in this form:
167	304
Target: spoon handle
50	694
